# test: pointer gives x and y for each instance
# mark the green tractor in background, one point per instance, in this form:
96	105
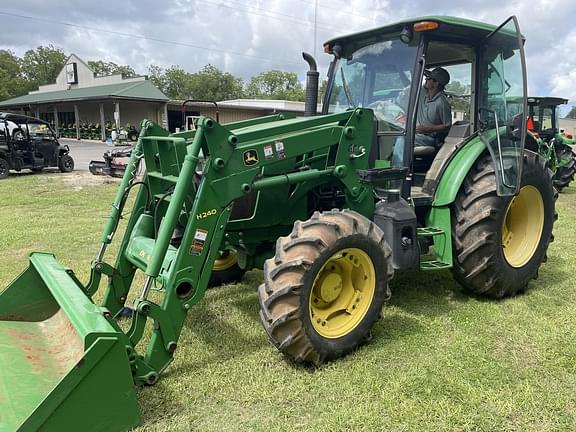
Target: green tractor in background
553	144
315	201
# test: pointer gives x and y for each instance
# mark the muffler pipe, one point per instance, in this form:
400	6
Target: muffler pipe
312	76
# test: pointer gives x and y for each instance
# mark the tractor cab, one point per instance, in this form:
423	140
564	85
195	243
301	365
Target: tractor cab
543	116
386	70
546	138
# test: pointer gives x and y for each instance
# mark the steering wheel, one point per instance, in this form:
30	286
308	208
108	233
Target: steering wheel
18	135
389	112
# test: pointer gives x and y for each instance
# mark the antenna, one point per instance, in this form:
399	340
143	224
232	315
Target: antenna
315	26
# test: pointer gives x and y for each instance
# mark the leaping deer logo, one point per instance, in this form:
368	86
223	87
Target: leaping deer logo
250	157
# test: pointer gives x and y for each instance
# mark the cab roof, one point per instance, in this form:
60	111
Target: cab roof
546	100
20	118
458	29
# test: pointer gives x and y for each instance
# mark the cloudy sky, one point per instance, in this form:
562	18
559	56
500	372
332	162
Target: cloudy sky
246	37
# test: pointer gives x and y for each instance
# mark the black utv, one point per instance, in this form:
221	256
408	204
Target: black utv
30	143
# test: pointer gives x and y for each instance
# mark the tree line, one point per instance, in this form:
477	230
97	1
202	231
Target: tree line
40	66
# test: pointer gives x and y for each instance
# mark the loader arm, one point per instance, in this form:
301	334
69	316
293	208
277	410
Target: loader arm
238	164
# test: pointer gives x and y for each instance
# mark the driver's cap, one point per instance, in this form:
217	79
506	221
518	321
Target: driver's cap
438	74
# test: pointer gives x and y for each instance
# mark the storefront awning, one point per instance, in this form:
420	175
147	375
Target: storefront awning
140	90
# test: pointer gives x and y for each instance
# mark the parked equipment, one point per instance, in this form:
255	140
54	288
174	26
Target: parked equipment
114	163
313	200
30	143
549	141
125	136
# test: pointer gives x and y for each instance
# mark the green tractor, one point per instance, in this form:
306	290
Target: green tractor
314	201
545	137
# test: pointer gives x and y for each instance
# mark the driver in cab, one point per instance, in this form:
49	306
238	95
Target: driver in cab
434	116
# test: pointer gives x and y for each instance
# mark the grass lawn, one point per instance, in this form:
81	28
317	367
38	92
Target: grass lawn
439	360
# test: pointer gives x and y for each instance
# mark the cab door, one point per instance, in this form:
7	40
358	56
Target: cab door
502	103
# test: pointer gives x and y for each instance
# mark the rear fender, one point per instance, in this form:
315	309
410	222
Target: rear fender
454	173
63	150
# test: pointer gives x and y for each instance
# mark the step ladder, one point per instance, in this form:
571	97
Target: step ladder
432	264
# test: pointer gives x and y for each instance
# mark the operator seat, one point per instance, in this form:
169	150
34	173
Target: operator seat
424	155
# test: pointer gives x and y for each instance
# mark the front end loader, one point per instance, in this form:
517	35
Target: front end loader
314	201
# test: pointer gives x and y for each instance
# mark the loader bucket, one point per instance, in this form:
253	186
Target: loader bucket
63	366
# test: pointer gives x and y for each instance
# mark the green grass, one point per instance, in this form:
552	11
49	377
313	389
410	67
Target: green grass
439	360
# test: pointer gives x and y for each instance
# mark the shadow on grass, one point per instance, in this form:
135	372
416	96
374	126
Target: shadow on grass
228	325
222	334
242	296
429	294
426	293
556	270
393	328
154	408
568	196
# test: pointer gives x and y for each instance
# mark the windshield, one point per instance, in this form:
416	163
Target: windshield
542	118
376	76
32	130
39	130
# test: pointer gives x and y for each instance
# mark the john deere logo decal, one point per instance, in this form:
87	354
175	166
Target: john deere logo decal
250	157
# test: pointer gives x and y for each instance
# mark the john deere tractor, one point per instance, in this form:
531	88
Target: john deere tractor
545	137
314	201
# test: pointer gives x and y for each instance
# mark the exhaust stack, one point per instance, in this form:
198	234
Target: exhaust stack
312	75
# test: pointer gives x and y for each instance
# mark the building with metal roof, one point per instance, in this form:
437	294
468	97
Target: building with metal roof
79	99
82	105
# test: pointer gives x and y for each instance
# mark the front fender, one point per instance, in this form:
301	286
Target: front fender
449	183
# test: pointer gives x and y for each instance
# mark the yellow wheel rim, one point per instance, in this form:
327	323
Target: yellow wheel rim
523	226
225	260
342	293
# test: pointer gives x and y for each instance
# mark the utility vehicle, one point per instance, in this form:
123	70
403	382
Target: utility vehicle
30	143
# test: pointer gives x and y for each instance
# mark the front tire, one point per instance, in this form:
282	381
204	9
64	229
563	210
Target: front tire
226	269
325	287
66	163
500	242
4	169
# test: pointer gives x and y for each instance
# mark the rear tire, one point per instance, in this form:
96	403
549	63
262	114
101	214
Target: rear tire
4	168
565	174
325	287
66	163
500	242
